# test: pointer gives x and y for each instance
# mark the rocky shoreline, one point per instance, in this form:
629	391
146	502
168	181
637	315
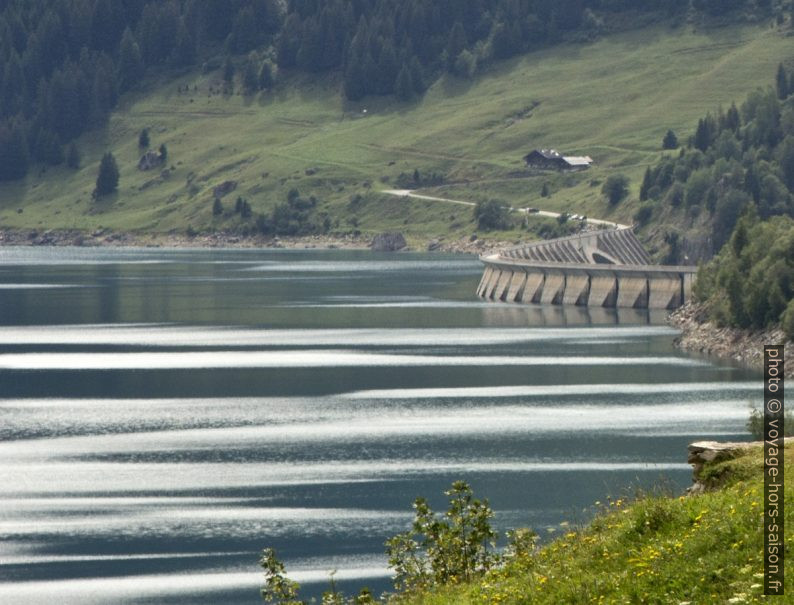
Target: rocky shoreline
107	237
701	335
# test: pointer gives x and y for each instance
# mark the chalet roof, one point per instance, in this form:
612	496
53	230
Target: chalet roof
549	154
578	160
554	155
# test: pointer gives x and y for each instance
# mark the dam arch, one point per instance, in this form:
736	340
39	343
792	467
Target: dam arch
527	274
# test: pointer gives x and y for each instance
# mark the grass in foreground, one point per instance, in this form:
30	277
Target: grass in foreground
700	550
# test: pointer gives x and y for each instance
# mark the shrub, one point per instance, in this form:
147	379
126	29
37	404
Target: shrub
615	188
493	214
452	548
644	214
278	588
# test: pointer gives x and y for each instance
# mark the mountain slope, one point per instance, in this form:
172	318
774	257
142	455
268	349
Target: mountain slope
612	99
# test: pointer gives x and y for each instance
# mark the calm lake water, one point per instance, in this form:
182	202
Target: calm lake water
166	414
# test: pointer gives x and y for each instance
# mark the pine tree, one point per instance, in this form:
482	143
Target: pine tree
163	152
456	43
73	156
48	148
228	71
289	41
130	65
250	74
787	161
387	69
404	86
217	207
14	156
752	184
266	79
417	76
143	139
103	92
670	141
704	133
782	82
14	85
732	119
185	50
647	183
108	178
354	78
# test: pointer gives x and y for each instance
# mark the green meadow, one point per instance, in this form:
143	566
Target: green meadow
663	549
612	99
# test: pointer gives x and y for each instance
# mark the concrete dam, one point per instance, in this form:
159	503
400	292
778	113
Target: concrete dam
607	268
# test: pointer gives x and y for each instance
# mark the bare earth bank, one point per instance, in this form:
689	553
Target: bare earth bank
701	335
105	237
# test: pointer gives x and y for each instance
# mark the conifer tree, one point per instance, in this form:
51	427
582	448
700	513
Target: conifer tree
732	119
108	178
455	44
250	74
185	49
228	71
404	86
14	156
354	78
647	183
130	66
266	79
704	133
73	156
782	82
670	141
417	76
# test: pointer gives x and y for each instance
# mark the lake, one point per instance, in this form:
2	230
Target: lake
167	414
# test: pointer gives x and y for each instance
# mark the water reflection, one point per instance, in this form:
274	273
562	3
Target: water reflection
165	414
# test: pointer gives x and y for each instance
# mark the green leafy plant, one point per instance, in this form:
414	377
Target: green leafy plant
615	188
445	549
451	548
278	588
492	214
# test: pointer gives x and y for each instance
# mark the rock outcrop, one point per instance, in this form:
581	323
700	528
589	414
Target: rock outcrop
150	160
703	452
388	242
225	188
701	335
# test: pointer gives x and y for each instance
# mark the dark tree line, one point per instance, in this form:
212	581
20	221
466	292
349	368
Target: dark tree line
64	63
397	47
739	158
750	283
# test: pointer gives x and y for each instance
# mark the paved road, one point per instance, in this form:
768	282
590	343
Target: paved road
548	213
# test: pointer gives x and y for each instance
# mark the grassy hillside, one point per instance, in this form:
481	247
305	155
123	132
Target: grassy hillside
703	549
613	100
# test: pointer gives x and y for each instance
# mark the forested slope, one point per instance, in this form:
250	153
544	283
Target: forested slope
262	94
